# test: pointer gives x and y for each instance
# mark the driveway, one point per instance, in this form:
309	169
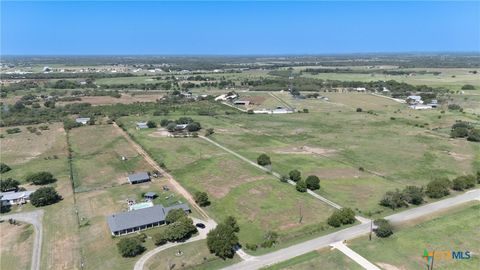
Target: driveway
352	232
34	218
202	234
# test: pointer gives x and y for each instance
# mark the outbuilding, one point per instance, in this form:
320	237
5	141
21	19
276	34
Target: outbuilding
138	177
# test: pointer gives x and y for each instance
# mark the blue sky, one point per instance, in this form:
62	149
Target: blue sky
237	28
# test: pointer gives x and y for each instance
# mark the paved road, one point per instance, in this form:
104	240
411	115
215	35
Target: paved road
35	218
352	232
354	256
169	177
202	234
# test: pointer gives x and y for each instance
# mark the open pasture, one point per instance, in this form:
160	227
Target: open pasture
259	202
107	100
16	242
27	153
97	157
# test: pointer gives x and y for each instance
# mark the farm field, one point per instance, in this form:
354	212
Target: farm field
335	145
97	152
453	78
12	239
456	230
325	259
258	201
107	100
49	151
194	256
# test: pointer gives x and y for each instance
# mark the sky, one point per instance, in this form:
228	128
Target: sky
237	28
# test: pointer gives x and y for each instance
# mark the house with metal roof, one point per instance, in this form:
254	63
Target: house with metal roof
82	120
141	219
142	125
138	177
15	197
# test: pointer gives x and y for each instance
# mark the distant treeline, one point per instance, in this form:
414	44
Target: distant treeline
370	71
397	89
19	114
65	75
452	60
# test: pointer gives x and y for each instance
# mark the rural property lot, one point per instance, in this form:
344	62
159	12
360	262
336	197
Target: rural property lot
107	100
50	154
335	146
259	201
16	238
97	157
457	230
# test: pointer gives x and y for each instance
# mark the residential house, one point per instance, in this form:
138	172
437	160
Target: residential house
141	219
82	120
15	197
142	125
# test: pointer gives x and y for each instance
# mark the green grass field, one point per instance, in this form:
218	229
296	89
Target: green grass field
456	230
97	152
320	259
26	153
193	256
258	201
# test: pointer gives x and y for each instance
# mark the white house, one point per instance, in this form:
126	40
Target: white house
413	99
142	125
15	197
82	120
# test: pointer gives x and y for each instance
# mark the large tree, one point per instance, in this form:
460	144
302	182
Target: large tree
201	198
44	196
40	178
130	247
264	160
222	241
312	182
181	229
8	184
174	215
295	175
438	188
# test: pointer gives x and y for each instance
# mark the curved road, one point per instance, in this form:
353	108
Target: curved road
34	218
352	232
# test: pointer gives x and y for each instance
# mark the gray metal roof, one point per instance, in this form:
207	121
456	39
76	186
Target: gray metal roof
13	195
183	206
140	217
136	218
141	176
150	194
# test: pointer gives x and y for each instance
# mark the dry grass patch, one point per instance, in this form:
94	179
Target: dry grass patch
16	245
107	100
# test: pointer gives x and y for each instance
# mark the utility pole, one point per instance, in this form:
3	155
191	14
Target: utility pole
371	229
301	216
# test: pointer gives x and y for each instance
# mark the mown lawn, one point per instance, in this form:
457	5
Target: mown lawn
193	256
457	230
320	259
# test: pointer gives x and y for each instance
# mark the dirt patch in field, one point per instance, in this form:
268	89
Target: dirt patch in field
254	100
107	100
306	150
460	157
387	266
339	173
221	190
160	133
